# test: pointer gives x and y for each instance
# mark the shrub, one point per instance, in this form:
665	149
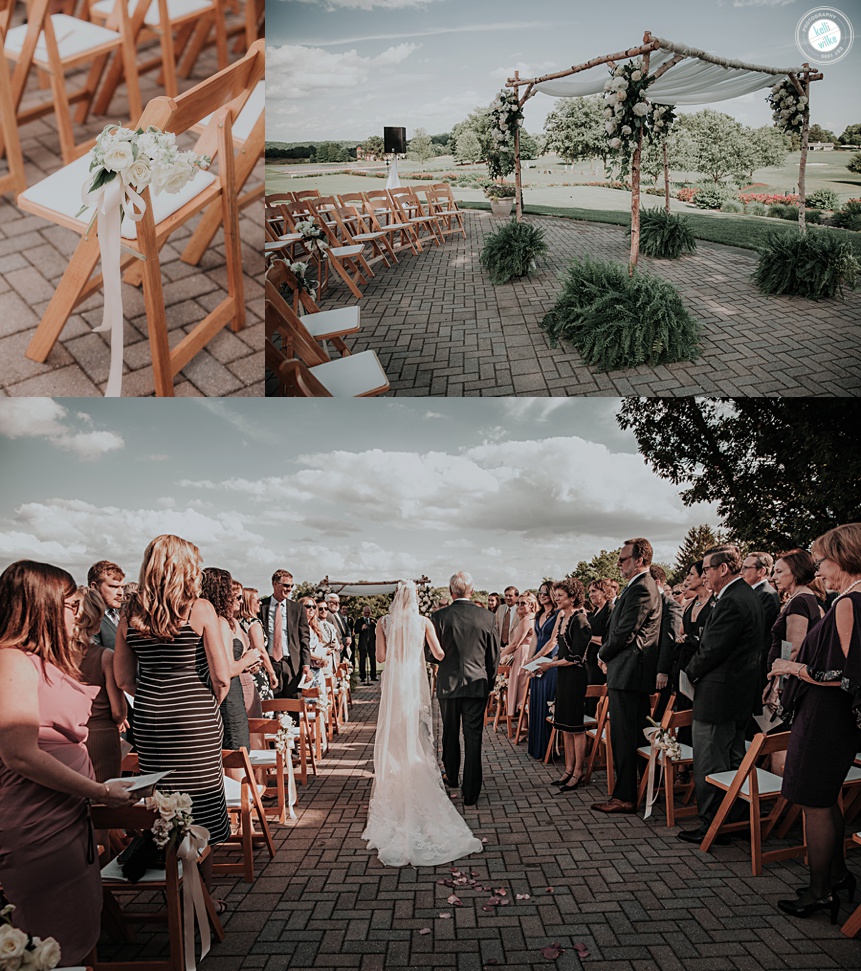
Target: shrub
732	205
511	251
812	217
855	163
756	209
780	211
812	265
823	199
686	194
710	196
769	198
665	235
849	216
617	321
500	190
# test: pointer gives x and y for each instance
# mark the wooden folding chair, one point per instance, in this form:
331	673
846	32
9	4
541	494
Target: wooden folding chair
54	44
672	721
14	180
296	707
346	259
598	734
592	691
442	205
500	710
243	806
354	228
270	762
409	210
57	199
852	927
752	785
522	730
168	881
306	194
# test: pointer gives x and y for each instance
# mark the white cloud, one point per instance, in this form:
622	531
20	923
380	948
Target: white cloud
334	5
47	419
526	69
762	3
484	28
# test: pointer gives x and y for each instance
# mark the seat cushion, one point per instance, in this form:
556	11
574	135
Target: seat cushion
113	872
768	783
345	252
686	756
61	192
175	9
350	377
233	792
74	37
342	320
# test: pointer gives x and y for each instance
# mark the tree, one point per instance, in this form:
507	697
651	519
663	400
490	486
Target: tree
851	135
718	147
420	147
575	129
769	148
467	147
855	163
602	565
530	147
817	133
347	154
782	471
374	147
697	540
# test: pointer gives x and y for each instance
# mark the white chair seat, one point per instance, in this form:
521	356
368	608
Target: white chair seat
233	792
175	9
350	377
342	320
113	871
768	783
367	237
345	251
74	37
853	775
61	193
686	756
247	117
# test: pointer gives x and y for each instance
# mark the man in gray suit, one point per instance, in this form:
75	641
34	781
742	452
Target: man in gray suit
106	578
725	675
630	654
470	640
287	635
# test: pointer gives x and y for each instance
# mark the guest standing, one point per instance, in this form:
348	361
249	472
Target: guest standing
542	689
823	701
517	653
364	637
106	578
48	863
286	635
573	637
250	694
264	677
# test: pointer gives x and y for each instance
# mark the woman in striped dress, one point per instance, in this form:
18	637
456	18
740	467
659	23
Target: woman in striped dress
166	636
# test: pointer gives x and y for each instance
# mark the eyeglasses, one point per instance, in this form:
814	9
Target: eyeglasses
309	606
819	562
74	606
322	608
287	586
749	566
522	603
622	559
710	567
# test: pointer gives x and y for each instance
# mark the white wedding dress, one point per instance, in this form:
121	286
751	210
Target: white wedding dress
411	819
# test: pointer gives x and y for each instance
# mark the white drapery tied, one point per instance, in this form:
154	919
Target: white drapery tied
394	180
193	906
109	202
652	735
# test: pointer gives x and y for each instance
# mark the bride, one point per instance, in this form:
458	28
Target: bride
410	818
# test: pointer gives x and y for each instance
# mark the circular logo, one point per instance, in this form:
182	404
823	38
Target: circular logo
824	35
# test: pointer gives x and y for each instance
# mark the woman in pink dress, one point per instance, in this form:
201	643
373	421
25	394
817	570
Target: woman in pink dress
48	862
517	651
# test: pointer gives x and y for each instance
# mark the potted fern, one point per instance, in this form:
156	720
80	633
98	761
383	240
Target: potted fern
501	195
511	251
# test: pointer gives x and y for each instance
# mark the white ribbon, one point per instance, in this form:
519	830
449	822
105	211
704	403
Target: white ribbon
291	779
193	905
108	203
651	796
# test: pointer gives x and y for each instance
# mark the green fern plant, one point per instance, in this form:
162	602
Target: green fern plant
665	235
815	265
616	321
511	251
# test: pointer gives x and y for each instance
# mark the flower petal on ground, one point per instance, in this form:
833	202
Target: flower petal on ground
425	930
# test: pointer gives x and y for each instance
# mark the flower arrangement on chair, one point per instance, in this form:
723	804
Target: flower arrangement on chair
300	271
288	730
174	817
500	685
21	950
312	235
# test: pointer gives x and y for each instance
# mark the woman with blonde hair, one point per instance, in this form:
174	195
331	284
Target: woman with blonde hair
517	650
48	861
265	677
166	637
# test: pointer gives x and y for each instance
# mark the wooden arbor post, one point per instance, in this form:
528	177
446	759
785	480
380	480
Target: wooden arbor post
635	179
805	140
518	179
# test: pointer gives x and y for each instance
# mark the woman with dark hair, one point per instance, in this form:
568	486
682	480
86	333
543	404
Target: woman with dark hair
600	597
822	702
694	620
573	635
542	690
48	860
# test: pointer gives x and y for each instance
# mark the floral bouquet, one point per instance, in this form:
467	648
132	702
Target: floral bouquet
300	271
19	950
287	731
501	684
175	820
312	235
788	107
663	740
506	116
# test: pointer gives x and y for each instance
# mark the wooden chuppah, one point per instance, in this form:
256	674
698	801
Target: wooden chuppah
799	77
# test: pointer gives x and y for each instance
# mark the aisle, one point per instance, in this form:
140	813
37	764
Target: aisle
629	890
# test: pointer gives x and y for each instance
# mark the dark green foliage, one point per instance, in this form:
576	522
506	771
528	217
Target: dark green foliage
710	196
756	209
855	163
849	216
616	321
511	251
809	265
665	235
731	205
780	210
823	199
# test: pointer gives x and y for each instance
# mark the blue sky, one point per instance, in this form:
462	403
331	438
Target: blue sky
510	489
346	68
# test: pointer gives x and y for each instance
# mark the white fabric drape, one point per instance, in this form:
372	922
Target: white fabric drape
394	181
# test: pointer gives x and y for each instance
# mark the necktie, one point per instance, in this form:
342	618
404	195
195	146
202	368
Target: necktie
506	625
277	635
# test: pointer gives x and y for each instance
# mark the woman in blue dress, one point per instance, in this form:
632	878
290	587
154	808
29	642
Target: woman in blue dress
542	688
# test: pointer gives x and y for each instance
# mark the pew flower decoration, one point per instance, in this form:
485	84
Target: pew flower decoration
300	271
551	708
501	684
19	950
312	234
287	731
789	108
123	163
175	820
663	740
506	117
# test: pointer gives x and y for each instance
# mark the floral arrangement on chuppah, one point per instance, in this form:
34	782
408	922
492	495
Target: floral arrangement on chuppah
20	950
123	163
506	116
789	108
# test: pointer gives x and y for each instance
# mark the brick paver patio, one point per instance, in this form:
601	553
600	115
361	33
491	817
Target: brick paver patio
34	253
440	327
628	889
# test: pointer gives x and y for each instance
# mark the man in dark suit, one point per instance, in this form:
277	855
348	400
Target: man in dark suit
106	579
288	635
365	637
725	675
470	640
755	571
341	624
630	653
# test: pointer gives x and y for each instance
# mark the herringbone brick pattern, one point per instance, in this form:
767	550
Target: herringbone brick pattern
34	253
440	327
629	890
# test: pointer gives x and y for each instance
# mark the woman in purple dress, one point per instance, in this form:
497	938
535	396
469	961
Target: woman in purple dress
822	700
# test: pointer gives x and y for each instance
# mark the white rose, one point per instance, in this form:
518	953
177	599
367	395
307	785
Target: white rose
118	157
610	127
12	942
173	179
637	76
615	143
802	101
138	173
640	109
626	129
183	802
797	120
620	95
162	802
618	72
608	112
608	84
619	109
46	956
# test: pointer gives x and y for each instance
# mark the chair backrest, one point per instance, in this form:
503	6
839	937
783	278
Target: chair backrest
276	198
281	275
294	377
306	194
297	341
596	691
356	199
